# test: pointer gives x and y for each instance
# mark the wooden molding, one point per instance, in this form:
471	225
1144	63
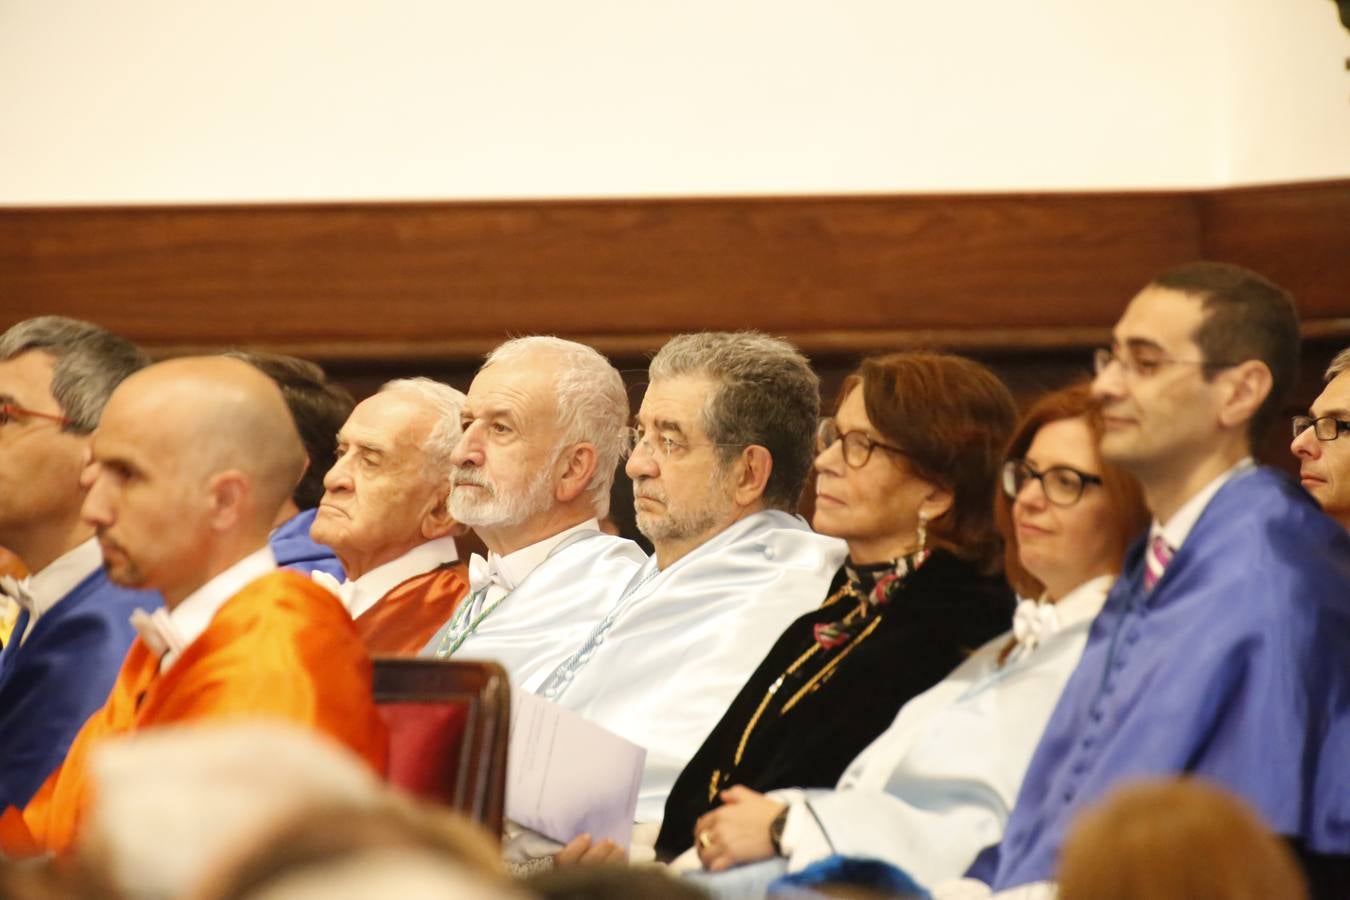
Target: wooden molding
445	282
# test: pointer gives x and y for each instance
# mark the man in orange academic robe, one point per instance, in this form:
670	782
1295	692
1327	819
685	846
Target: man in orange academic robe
385	515
191	461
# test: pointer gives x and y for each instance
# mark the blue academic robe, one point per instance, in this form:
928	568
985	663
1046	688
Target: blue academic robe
1235	668
294	549
59	677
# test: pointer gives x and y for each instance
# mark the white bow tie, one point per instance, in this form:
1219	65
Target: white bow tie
345	591
483	573
157	632
18	590
1033	622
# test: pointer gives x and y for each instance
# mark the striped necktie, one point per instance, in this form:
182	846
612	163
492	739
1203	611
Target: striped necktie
1156	560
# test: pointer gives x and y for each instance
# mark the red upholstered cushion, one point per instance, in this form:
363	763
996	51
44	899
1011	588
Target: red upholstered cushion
424	745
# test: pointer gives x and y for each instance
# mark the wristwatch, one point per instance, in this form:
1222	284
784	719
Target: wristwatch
776	831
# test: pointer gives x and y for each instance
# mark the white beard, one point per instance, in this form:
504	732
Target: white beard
472	508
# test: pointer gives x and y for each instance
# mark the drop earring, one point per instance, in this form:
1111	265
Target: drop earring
922	531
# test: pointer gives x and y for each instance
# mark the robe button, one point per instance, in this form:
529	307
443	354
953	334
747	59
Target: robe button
768	553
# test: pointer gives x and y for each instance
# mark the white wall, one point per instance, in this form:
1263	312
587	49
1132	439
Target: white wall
186	100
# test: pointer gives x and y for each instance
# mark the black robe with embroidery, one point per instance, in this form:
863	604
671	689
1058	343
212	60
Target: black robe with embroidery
945	611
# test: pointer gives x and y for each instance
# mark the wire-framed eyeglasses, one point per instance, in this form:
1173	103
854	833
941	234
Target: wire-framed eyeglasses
663	447
1062	485
857	446
1325	428
1145	364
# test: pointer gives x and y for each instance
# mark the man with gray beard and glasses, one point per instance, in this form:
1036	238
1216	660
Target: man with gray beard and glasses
544	431
724	442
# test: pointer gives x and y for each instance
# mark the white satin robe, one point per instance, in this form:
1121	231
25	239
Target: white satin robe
549	613
667	660
936	787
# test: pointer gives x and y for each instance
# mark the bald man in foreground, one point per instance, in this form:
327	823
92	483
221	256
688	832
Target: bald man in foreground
191	462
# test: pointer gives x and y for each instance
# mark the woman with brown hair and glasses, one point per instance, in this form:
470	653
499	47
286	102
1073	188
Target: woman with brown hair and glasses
936	787
904	475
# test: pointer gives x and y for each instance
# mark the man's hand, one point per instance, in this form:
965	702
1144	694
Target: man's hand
738	831
580	851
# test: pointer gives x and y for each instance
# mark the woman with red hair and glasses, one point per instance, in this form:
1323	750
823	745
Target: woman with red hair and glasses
937	786
904	473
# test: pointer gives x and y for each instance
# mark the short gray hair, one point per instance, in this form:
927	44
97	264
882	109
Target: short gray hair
766	394
592	404
89	363
1338	365
447	403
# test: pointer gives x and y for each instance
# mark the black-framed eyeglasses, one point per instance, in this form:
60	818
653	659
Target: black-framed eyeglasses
857	446
1146	364
1325	428
1062	485
11	411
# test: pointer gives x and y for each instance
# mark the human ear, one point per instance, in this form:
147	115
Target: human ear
753	468
936	502
228	494
1244	388
578	465
437	522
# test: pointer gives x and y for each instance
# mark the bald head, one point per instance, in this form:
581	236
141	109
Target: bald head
194	457
217	414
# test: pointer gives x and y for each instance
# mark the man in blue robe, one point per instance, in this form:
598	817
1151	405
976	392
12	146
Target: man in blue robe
319	408
1321	443
74	627
1222	650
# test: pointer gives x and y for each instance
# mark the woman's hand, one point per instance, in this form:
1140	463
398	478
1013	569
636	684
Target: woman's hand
738	831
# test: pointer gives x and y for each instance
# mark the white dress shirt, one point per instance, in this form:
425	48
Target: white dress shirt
45	589
1178	528
361	594
189	620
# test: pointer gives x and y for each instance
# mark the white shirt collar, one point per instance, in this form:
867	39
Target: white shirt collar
190	618
1084	601
370	587
1178	528
515	567
59	578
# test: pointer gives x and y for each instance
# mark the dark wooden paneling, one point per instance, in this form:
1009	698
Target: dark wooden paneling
1298	235
373	289
443	281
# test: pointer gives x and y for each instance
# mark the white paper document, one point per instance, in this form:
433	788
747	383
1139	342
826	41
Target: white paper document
567	776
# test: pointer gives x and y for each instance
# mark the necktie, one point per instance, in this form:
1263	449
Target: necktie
157	632
1033	622
484	573
1158	555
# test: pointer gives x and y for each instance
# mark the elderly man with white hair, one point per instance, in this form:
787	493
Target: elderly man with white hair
544	430
385	514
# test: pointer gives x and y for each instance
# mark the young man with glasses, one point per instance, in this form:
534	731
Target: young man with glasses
1221	650
73	625
1322	444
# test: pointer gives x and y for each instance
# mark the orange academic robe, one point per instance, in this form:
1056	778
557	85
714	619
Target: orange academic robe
403	620
283	648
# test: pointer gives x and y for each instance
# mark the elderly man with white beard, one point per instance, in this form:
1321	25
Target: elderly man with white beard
544	430
725	440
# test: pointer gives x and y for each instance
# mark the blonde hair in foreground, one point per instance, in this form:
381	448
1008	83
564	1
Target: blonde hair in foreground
1175	840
